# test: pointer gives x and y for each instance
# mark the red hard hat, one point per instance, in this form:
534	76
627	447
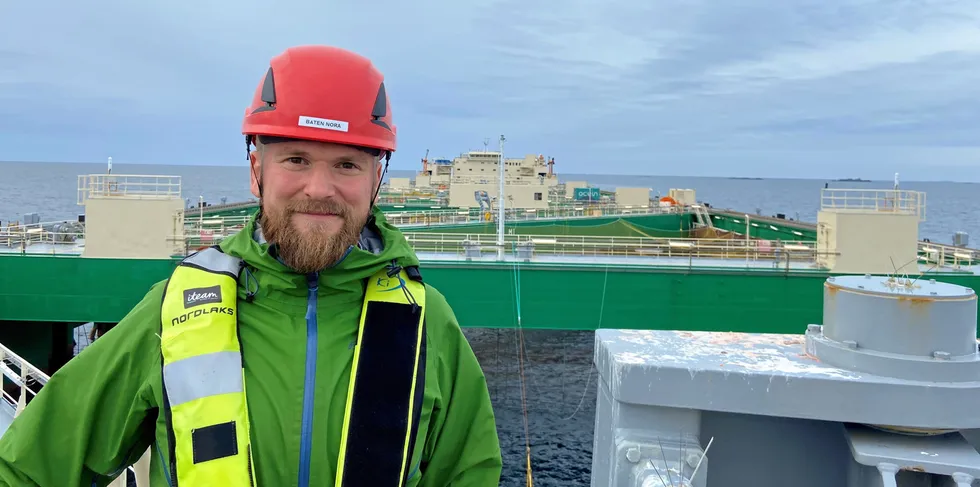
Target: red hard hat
325	94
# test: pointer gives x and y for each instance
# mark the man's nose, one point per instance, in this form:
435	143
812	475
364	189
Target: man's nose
320	184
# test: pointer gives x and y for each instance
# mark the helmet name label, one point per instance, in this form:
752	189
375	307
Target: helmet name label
323	123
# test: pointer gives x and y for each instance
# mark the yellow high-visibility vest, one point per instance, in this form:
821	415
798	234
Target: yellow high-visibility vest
205	403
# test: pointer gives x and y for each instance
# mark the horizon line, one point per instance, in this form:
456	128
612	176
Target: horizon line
750	178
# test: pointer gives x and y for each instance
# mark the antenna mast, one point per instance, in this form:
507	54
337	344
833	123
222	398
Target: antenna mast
500	203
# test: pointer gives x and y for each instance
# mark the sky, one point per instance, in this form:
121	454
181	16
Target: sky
750	88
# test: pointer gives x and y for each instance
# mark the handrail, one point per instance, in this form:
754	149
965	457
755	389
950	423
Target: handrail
210	230
410	218
59	232
947	256
620	246
28	378
564	245
133	186
900	201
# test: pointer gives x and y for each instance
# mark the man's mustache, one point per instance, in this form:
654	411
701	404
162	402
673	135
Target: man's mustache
318	207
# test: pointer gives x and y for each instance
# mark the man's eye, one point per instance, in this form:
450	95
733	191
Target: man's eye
296	160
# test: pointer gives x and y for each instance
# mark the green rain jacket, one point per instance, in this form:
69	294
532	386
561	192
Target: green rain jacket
102	410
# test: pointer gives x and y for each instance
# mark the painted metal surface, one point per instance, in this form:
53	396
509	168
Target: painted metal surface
75	289
552	296
913	329
775	415
667	390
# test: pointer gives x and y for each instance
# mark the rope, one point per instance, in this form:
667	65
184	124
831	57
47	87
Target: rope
635	228
588	380
520	355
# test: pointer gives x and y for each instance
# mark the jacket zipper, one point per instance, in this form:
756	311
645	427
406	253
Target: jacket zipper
306	440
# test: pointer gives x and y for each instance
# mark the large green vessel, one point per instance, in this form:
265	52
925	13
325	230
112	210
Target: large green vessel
564	268
572	265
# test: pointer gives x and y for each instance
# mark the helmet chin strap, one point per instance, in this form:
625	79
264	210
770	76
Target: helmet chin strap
248	153
377	191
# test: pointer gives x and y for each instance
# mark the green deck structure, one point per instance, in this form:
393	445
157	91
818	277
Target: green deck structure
43	297
52	294
483	294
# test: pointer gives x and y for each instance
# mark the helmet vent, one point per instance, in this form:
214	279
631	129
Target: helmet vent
380	108
268	93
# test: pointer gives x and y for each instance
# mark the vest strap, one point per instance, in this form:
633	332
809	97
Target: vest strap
384	400
203	380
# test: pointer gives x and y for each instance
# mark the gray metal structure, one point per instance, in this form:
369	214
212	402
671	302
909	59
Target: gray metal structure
525	250
885	393
961	239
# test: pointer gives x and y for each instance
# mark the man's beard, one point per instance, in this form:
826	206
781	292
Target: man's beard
309	247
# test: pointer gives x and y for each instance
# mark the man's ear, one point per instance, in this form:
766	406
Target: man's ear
377	186
254	170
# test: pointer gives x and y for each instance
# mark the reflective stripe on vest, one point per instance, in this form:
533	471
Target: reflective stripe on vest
204	391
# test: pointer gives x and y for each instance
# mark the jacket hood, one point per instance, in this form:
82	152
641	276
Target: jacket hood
380	244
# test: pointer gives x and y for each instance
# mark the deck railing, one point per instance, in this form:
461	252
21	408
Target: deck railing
135	186
591	246
20	235
416	218
947	256
21	382
208	231
466	244
875	200
409	219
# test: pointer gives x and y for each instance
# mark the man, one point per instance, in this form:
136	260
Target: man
316	291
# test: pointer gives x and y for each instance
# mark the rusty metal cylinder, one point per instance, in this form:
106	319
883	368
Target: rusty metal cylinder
903	316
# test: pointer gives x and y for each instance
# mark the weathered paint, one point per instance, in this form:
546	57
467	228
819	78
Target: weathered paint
737	353
79	290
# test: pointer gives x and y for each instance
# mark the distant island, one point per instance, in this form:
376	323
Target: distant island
751	179
854	180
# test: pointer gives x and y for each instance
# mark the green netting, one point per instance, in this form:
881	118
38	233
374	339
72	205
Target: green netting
628	226
765	229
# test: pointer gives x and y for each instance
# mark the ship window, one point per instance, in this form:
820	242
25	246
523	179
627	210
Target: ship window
537	196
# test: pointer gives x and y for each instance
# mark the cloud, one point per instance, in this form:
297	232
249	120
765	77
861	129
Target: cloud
793	88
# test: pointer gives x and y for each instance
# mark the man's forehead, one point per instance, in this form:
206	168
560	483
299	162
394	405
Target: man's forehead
315	149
